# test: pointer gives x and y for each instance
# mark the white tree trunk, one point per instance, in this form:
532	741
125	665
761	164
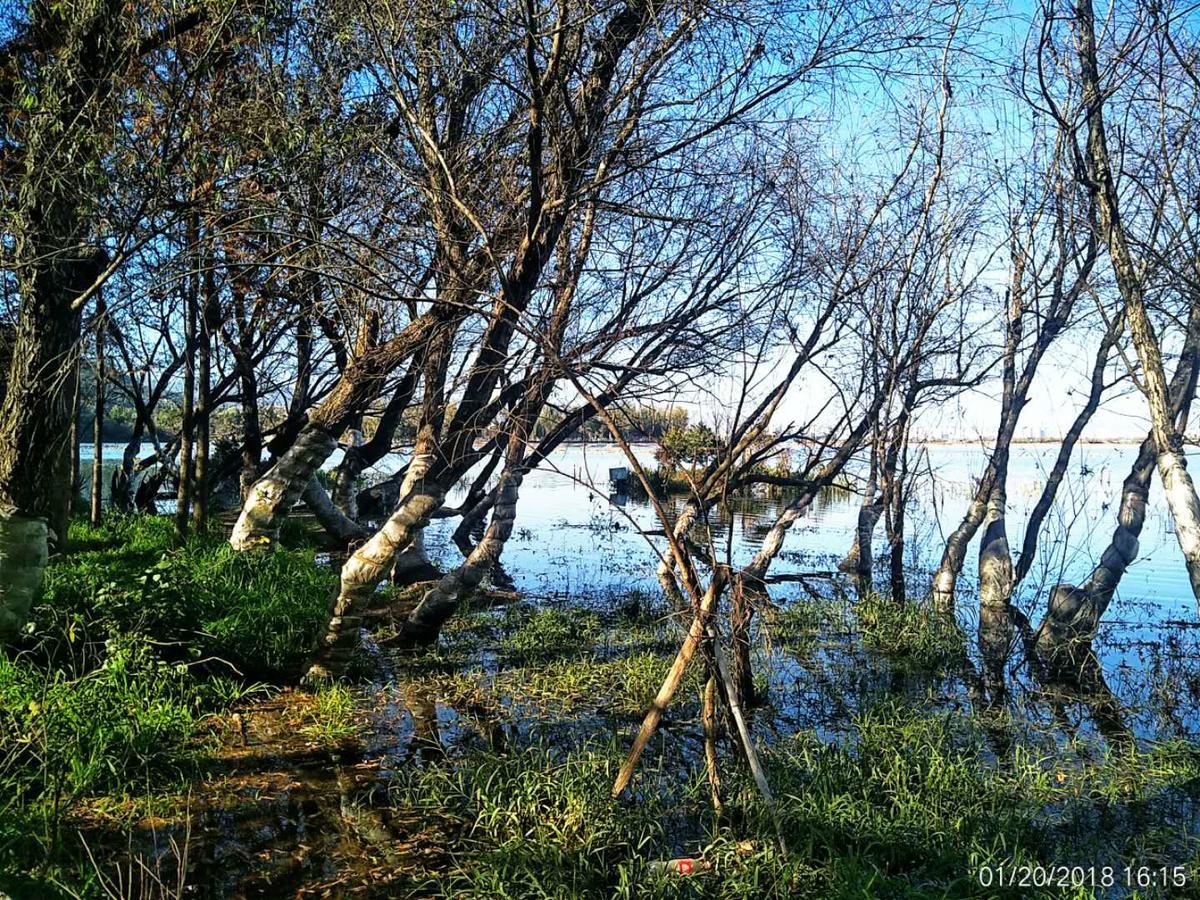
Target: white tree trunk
1185	510
666	568
279	489
439	604
773	542
945	579
369	565
332	519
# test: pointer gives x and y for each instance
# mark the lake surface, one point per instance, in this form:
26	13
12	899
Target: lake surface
574	538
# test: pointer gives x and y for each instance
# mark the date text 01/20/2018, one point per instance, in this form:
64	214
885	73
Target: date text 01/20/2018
1084	876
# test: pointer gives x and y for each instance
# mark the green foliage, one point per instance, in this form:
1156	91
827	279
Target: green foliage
541	634
137	640
914	635
134	722
333	714
537	824
692	445
256	615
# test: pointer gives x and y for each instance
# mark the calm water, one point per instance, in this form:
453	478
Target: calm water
574	535
576	539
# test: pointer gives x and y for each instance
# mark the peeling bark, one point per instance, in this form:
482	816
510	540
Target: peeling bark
279	489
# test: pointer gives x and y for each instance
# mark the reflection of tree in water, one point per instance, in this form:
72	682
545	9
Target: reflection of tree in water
1085	684
1073	676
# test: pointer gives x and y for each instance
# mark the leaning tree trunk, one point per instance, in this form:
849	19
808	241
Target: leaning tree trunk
1172	467
335	523
665	573
421	495
279	489
945	579
426	620
1058	471
1074	613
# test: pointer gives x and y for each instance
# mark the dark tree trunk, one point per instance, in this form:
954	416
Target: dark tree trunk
208	324
97	497
187	424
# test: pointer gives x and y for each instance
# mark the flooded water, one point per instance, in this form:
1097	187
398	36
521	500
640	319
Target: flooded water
576	538
288	813
573	533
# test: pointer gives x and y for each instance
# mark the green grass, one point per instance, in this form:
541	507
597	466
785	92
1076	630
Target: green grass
139	640
913	635
911	806
332	717
536	824
255	616
135	642
548	633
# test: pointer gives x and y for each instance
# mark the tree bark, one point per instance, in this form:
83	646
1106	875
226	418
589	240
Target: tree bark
209	322
345	530
97	498
1172	466
270	498
369	564
183	495
1074	613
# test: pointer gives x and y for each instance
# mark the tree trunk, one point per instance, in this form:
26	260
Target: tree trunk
51	184
34	433
184	493
1177	483
1046	499
859	561
208	324
97	499
329	516
945	579
270	498
279	489
1073	614
425	622
740	613
691	642
421	496
76	477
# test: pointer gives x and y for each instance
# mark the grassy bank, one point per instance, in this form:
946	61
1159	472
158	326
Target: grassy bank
136	643
115	713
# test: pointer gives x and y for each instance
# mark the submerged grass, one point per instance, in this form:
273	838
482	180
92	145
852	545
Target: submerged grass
912	806
333	715
913	635
537	823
